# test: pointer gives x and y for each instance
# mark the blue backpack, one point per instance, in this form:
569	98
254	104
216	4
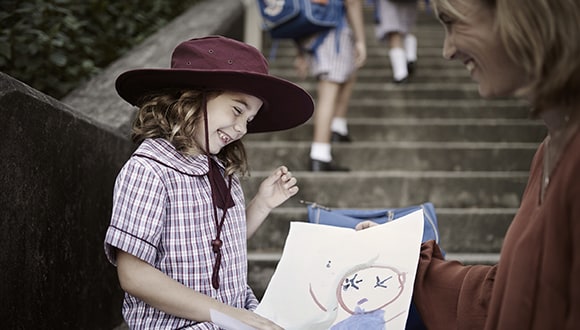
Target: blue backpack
297	19
300	19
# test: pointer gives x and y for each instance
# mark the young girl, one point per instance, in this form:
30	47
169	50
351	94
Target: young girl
179	225
335	71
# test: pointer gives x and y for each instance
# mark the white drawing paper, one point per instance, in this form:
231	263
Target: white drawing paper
329	277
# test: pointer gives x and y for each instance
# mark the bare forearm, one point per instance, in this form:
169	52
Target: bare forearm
147	283
273	191
256	213
162	292
354	12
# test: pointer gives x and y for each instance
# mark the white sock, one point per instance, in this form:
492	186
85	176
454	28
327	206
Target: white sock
410	47
320	151
339	125
398	63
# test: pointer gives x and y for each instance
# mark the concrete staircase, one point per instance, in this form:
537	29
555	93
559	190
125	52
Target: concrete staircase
434	139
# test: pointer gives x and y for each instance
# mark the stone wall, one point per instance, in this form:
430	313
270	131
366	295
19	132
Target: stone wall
58	164
58	169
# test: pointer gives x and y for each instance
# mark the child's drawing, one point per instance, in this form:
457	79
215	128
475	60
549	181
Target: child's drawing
364	294
336	277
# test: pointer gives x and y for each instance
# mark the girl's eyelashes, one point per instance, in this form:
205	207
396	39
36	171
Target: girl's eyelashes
238	110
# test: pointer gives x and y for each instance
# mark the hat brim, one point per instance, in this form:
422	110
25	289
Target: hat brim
286	105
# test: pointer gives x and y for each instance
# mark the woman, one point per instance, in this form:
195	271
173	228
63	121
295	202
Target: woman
529	49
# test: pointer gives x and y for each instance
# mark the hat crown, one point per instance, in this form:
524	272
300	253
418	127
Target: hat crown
220	63
219	54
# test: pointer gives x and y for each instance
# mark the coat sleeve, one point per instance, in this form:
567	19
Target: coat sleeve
450	295
573	316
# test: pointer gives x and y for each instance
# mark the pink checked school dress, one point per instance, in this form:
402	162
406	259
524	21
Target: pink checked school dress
163	214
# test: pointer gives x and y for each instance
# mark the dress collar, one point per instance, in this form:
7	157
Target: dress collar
162	151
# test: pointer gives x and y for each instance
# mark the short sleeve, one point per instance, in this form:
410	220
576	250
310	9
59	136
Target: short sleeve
138	214
251	300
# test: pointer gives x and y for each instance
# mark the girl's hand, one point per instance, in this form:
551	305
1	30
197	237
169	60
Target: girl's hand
273	191
277	187
254	320
360	54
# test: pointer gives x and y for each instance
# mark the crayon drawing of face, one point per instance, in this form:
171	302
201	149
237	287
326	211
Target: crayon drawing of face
370	289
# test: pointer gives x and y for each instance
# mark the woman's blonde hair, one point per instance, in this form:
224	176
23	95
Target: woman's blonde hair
176	115
542	37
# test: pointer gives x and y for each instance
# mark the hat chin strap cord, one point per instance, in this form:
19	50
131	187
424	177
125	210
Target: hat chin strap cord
221	198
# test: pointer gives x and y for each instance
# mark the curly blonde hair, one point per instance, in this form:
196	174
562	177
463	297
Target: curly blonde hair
175	115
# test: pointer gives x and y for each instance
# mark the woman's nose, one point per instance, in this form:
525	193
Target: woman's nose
449	49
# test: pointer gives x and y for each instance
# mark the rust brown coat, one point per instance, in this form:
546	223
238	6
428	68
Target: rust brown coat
536	284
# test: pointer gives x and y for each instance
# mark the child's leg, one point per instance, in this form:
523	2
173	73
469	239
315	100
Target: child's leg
339	125
410	51
410	42
398	57
320	151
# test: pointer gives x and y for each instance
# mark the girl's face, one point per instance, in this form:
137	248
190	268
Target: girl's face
227	118
474	41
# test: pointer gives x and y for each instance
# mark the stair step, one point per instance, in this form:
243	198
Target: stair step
372	189
409	129
384	74
461	230
411	156
443	90
286	62
397	107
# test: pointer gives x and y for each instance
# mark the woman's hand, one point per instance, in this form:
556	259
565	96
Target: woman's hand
365	224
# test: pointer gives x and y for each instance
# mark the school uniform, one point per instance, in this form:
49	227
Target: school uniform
395	17
163	214
335	61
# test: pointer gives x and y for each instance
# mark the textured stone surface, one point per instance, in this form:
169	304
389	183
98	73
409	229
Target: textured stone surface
57	176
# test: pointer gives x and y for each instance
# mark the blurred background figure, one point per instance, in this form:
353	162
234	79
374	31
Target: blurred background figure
395	20
334	64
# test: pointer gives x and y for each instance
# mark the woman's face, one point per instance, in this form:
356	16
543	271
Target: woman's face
474	41
227	118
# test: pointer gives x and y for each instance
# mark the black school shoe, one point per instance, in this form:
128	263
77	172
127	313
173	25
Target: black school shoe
401	81
337	137
320	166
411	67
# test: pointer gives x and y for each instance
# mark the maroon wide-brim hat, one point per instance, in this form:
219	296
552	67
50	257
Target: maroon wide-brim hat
220	63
